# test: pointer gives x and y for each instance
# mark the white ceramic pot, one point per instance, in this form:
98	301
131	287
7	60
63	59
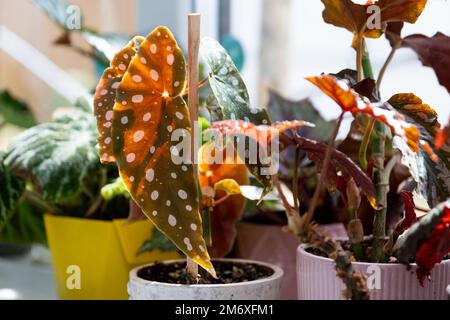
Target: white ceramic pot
316	280
262	289
269	243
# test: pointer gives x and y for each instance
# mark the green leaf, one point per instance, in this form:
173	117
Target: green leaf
57	156
11	189
57	10
433	178
25	226
15	112
281	109
228	86
106	45
159	242
114	189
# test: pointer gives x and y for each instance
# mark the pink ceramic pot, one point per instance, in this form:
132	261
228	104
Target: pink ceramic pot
268	243
316	280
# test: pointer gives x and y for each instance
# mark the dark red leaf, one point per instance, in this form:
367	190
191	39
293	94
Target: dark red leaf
435	248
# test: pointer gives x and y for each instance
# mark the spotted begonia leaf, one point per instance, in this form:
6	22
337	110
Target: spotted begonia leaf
428	240
350	101
354	15
149	108
228	86
432	177
105	97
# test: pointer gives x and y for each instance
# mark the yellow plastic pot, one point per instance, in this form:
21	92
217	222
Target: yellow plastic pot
92	258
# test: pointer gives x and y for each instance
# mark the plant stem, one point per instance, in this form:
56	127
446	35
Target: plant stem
323	172
295	221
99	198
366	64
295	180
386	64
37	199
362	154
381	189
359	51
207	226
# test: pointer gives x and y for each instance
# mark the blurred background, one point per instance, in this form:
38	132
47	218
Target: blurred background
275	43
282	42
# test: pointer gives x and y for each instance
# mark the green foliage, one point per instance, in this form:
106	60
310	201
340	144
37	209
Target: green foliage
15	112
57	156
57	10
25	226
104	45
114	189
227	85
158	241
281	109
11	189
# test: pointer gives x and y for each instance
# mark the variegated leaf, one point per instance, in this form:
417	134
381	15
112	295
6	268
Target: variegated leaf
433	177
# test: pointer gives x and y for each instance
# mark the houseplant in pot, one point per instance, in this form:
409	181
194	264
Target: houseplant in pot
141	124
397	134
54	167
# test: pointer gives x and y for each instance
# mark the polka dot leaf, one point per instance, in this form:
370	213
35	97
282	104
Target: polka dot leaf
149	110
227	85
105	96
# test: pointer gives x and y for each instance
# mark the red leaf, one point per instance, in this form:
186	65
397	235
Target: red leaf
433	52
443	137
410	213
432	251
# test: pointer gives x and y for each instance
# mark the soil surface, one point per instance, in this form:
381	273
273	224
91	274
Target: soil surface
227	272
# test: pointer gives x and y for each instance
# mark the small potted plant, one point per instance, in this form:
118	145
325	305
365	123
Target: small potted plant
145	127
54	168
402	133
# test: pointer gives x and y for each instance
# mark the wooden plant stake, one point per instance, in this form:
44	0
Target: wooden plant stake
193	51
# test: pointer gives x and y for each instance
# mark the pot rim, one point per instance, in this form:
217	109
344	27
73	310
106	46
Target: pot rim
277	274
301	250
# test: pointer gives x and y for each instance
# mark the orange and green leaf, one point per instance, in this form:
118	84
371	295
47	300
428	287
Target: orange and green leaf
350	101
105	95
354	15
148	108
